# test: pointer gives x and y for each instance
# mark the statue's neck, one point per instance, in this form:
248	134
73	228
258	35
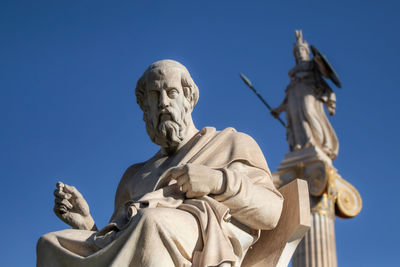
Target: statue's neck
302	61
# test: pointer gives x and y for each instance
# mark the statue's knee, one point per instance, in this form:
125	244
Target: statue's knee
44	241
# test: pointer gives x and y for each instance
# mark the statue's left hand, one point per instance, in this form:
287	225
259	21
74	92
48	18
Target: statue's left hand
331	107
198	180
275	112
72	208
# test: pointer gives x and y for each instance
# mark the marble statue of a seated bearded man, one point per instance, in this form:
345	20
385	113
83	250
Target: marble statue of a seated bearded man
201	200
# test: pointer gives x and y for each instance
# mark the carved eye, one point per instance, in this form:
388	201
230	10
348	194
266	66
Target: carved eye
172	93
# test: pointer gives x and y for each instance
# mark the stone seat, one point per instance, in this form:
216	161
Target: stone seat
276	247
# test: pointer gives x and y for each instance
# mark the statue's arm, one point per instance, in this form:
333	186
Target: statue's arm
251	196
247	191
122	194
331	102
328	96
281	108
243	183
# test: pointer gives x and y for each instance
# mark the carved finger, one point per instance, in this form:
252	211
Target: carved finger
191	194
60	209
182	179
61	194
72	190
63	202
60	185
176	172
186	188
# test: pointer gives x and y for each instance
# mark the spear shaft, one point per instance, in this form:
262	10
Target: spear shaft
250	85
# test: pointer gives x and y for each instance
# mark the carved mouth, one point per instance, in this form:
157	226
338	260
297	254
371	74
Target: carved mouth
164	116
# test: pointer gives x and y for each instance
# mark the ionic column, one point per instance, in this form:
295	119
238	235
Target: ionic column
318	247
330	196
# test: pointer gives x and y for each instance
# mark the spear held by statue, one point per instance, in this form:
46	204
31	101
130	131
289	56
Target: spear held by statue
250	85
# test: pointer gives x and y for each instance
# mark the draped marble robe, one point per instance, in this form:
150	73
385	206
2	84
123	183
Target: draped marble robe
307	124
155	225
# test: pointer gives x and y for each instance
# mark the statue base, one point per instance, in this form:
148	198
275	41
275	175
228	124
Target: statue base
314	166
304	155
310	164
330	196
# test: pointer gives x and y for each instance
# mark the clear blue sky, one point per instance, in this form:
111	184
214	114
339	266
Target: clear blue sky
68	70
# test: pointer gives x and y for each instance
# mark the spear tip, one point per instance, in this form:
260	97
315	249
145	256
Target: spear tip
246	80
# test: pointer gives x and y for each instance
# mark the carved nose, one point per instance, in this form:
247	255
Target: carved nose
163	101
163	105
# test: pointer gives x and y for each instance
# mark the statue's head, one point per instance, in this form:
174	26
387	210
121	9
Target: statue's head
300	49
167	95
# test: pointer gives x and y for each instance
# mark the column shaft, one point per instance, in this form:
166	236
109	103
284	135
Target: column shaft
318	247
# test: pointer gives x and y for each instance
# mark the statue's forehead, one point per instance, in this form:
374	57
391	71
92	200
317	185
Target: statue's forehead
166	79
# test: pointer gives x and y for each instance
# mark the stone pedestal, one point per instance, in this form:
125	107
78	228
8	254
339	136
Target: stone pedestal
330	196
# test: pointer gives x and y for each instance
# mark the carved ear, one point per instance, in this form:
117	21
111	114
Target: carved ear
190	99
188	96
140	92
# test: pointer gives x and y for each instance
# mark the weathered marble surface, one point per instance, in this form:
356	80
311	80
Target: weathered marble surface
199	201
313	147
276	247
307	92
318	247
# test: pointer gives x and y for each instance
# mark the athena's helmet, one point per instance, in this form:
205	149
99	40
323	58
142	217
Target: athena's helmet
300	49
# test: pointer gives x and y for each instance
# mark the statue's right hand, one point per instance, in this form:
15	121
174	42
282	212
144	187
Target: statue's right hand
72	208
275	112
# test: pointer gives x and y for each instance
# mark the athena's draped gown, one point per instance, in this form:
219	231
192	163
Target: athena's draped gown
307	124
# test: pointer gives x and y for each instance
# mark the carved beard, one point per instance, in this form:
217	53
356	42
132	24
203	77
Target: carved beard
166	133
